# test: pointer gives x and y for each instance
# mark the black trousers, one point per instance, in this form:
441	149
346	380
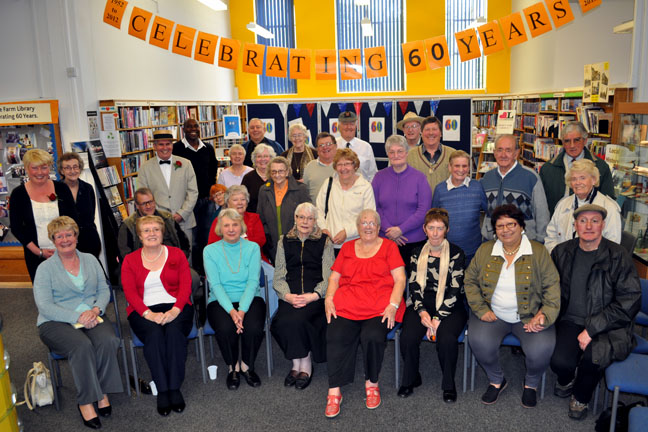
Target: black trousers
568	356
299	331
342	339
201	233
165	347
225	330
446	344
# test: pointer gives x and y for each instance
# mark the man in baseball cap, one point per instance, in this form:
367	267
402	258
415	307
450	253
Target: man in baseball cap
347	124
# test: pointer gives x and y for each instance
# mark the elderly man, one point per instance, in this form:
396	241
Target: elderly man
320	169
172	180
552	173
411	127
513	183
600	297
347	124
431	158
256	131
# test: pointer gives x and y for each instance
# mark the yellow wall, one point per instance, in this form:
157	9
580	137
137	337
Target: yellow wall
315	21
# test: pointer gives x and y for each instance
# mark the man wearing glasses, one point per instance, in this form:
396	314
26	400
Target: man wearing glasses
552	173
319	170
411	127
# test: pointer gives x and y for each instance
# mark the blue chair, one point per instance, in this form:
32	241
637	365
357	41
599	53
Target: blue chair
509	340
53	358
638	419
628	376
394	335
642	316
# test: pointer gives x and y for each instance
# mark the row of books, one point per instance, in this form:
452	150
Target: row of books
513	104
131	164
134	141
528	155
207	129
530	107
528	138
114	198
545	148
482	106
529	122
186	112
206	112
132	117
549	105
222	110
108	176
164	115
130	186
597	146
595	119
485	120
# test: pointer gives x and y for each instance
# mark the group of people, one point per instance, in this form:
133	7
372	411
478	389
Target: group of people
340	242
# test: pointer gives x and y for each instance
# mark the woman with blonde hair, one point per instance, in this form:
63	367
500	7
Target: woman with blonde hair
234	174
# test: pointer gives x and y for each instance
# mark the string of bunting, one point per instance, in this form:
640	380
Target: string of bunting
295	63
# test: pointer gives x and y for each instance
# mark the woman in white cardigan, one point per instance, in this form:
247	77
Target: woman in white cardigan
583	178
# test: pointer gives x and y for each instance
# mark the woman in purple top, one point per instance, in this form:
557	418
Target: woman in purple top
402	198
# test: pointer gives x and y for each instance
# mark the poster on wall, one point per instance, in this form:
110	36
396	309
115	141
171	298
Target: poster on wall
333	127
269	124
451	128
597	81
232	126
376	129
505	121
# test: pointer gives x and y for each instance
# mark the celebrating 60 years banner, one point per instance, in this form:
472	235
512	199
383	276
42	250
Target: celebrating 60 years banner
295	63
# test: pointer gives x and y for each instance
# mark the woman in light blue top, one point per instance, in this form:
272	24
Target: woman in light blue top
235	309
71	294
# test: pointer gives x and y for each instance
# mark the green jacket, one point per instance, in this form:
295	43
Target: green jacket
536	282
553	172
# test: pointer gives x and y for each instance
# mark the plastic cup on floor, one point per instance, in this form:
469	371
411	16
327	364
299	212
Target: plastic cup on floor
153	388
213	371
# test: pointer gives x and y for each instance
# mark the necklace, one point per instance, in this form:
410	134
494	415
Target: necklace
154	259
70	264
238	269
511	253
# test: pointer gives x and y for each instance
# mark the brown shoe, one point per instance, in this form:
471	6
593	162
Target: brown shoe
577	410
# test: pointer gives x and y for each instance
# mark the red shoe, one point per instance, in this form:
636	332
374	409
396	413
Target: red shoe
333	403
373	397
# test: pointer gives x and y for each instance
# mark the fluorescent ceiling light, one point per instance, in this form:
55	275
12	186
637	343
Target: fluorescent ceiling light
216	5
256	28
367	29
362	2
626	27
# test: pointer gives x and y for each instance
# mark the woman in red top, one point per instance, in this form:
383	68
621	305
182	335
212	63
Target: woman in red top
237	197
157	286
363	301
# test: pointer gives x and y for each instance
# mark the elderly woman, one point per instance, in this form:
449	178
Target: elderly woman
234	174
157	286
261	156
34	204
464	199
299	155
583	178
437	305
304	260
70	166
235	309
402	198
342	198
363	301
71	294
512	286
278	200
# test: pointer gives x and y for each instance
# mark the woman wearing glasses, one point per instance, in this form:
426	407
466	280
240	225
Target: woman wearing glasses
512	286
70	166
299	155
278	199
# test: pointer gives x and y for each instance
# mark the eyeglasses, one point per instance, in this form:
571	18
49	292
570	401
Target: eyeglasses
396	152
412	126
510	226
325	144
368	223
593	221
573	141
505	150
151	230
293	136
275	172
65	236
145	204
344	164
305	218
71	168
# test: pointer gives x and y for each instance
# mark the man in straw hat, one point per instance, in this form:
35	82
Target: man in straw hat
411	127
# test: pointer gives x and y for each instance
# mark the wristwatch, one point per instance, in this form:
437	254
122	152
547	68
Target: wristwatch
146	312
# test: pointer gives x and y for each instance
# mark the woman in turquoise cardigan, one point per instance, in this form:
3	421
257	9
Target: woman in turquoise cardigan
71	294
235	309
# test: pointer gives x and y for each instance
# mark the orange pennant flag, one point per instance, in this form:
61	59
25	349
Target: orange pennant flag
350	64
414	56
436	50
228	53
139	23
277	62
206	47
375	62
560	11
538	19
588	5
253	58
491	38
183	40
513	29
467	44
161	32
114	12
300	63
325	64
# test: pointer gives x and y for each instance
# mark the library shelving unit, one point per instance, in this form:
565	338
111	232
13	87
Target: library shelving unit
135	122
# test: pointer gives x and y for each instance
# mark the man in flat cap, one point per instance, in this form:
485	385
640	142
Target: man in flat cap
411	127
600	297
347	124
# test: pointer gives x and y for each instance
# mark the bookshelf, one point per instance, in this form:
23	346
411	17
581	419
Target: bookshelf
135	122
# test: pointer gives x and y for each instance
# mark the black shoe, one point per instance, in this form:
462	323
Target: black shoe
529	397
251	378
303	380
449	396
564	391
233	380
105	411
143	385
163	404
492	393
177	401
93	423
291	378
406	391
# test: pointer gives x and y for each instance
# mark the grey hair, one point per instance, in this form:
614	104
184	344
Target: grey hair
238	147
586	166
574	126
237	189
299	126
509	136
230	214
260	148
308	208
372	212
396	140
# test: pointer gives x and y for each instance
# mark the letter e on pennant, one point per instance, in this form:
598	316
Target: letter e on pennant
206	47
228	53
491	38
161	32
537	19
414	56
114	12
300	63
588	5
513	29
375	62
183	40
277	62
253	58
350	64
139	23
560	11
436	50
325	64
467	44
